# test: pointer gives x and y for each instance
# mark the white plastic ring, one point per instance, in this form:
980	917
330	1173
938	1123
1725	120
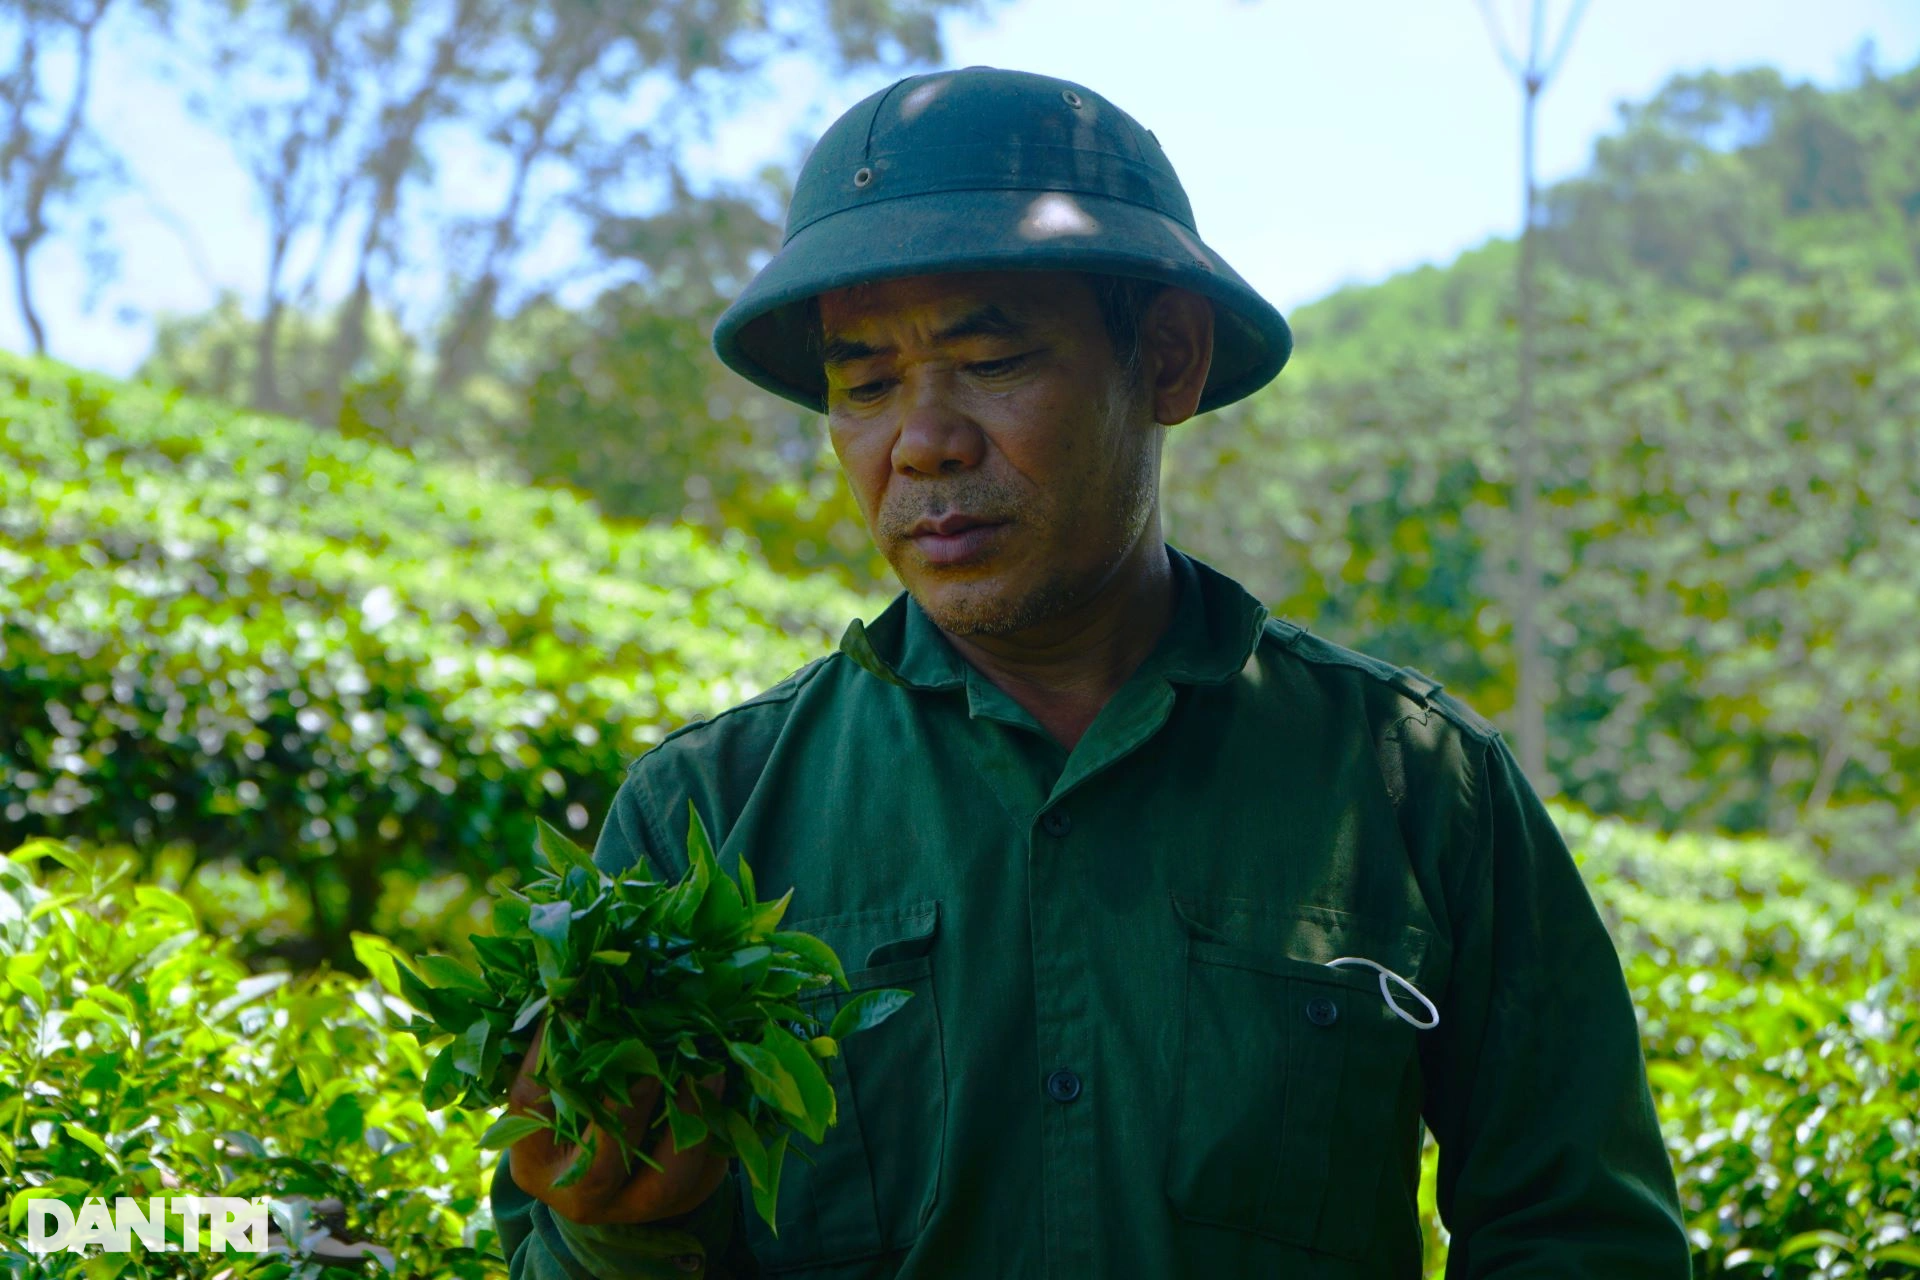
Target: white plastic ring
1386	993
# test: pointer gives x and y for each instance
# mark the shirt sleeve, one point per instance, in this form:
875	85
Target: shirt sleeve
704	1244
1551	1158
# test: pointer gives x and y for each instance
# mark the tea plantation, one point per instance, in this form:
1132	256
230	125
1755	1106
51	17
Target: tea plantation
262	688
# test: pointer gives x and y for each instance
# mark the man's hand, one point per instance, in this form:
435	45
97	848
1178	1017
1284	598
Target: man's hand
610	1192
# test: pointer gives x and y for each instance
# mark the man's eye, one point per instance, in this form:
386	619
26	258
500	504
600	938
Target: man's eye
866	392
993	368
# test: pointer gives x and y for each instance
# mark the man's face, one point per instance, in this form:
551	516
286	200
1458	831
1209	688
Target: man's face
1003	462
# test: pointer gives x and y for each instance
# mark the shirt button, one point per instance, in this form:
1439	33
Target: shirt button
1063	1085
1055	822
1322	1012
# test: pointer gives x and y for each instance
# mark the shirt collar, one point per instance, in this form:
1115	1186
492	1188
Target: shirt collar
1215	626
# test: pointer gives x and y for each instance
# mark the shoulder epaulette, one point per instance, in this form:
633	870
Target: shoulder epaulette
1415	686
781	692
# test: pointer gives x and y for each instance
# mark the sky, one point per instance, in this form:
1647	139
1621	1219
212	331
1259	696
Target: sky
1321	143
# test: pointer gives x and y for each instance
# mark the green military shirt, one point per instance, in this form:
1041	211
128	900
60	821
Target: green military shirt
1127	1054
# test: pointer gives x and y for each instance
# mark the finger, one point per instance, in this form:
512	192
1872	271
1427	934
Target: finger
608	1170
685	1178
634	1116
536	1159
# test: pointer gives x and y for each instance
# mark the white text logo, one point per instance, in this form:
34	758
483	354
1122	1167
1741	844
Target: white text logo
231	1223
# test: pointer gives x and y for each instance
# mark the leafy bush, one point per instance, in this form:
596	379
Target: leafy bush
1780	1011
138	1057
329	657
1787	1076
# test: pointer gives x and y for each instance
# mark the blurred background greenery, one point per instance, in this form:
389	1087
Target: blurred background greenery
306	621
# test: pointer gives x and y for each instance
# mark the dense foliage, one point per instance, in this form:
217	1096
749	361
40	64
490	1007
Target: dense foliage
1730	507
139	1057
1779	1010
1728	331
333	658
304	683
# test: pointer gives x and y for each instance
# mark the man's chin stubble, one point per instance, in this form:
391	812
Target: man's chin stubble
980	610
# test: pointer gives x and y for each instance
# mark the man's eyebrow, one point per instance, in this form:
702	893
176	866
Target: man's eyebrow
989	321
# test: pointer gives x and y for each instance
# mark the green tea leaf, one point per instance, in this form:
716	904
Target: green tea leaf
155	898
508	1130
688	1129
443	1083
578	1169
747	1145
721	914
817	1100
85	1137
551	923
508	958
1807	1241
766	916
382	959
868	1009
766	1197
699	844
635	1058
346	1119
529	1009
560	852
771	1080
815	953
448	974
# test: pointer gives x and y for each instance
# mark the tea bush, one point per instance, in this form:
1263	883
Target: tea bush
333	659
1780	1012
1780	1020
139	1057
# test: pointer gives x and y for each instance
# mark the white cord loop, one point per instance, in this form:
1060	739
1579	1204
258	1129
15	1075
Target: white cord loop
1386	993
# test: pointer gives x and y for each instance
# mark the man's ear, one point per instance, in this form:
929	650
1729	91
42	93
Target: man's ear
1176	350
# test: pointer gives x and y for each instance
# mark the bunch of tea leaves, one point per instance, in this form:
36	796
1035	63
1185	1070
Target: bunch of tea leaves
637	979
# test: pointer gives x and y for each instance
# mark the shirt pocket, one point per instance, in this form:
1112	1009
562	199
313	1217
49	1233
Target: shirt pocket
870	1185
1290	1072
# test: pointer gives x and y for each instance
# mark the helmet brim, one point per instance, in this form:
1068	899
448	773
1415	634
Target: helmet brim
765	335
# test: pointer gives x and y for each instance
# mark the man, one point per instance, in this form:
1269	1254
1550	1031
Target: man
1203	917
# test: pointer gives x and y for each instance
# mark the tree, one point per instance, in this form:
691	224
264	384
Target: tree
1728	477
1530	712
290	93
459	57
582	62
47	154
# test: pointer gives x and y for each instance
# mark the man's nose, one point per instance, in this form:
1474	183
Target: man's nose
936	437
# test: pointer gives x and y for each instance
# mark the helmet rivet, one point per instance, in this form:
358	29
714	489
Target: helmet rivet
1072	99
862	176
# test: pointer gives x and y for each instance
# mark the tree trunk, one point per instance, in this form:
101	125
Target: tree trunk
266	390
48	167
466	339
1530	708
21	247
390	167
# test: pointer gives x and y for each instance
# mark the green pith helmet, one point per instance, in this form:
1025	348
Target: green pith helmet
983	169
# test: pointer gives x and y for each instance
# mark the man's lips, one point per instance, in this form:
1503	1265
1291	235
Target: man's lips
951	523
955	538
